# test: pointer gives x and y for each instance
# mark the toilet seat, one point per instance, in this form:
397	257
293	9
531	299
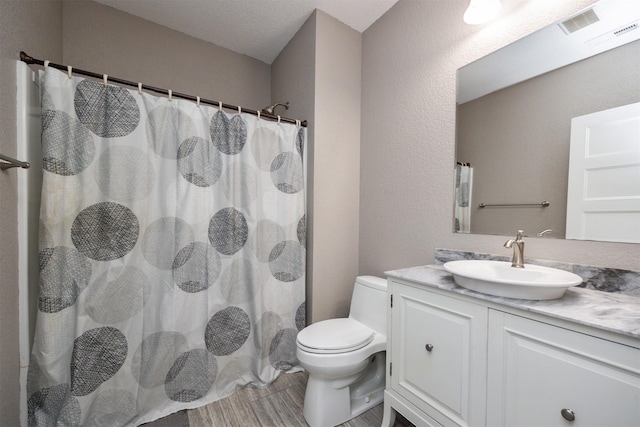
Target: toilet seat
335	336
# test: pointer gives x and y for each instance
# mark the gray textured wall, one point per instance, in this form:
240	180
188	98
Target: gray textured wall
336	191
105	40
409	62
319	72
293	75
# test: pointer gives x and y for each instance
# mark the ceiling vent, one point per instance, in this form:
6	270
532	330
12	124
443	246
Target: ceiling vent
625	29
580	21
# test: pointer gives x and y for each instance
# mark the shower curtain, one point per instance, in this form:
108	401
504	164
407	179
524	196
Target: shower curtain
172	254
462	202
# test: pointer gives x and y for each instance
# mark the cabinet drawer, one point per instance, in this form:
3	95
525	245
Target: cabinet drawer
537	370
439	354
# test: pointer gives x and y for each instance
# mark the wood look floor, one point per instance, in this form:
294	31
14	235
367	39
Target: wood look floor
279	405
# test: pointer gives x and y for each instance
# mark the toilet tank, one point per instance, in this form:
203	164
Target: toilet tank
369	303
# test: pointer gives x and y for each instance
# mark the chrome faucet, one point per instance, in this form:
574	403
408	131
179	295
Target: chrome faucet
518	250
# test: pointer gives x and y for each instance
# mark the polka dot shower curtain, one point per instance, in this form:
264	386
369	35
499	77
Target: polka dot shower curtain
462	200
172	254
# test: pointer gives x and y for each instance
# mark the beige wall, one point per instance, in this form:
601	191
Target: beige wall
320	70
409	60
35	27
336	190
104	40
517	139
293	75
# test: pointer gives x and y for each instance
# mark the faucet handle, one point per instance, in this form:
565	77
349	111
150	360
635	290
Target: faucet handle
519	234
543	232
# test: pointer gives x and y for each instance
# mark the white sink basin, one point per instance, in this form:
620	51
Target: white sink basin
498	278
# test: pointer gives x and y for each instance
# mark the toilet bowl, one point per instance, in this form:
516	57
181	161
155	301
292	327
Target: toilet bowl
345	358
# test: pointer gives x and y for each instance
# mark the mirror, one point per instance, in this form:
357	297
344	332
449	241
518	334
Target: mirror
514	112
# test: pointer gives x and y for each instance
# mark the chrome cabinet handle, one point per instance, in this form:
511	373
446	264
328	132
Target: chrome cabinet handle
568	414
429	347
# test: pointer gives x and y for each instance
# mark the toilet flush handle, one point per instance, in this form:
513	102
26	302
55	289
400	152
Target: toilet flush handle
429	347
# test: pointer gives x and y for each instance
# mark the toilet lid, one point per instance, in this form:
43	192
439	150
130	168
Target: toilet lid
335	336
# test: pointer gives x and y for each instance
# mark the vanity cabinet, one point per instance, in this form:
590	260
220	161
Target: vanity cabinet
543	375
438	357
454	360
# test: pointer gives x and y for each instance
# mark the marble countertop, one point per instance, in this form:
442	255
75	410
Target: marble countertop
604	310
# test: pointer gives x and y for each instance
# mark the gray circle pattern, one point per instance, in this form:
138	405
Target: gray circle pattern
287	261
239	283
301	317
162	240
166	128
199	162
53	406
227	331
67	146
282	351
264	154
113	407
117	294
286	173
240	183
155	356
191	376
109	111
240	367
228	231
301	231
229	136
267	234
269	325
113	173
196	267
64	274
105	231
300	142
97	355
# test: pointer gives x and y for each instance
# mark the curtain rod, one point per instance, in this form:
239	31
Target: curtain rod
30	60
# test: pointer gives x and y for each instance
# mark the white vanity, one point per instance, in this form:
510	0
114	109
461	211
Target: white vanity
461	358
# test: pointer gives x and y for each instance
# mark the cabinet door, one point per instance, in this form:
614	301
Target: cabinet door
439	355
537	372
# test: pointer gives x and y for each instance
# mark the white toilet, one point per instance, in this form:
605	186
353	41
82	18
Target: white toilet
345	358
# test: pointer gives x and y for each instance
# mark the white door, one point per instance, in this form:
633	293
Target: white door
603	199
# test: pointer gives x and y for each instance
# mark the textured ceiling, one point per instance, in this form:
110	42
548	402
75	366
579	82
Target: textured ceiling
257	28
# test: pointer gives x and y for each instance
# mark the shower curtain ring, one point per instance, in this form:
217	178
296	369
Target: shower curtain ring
140	88
69	70
105	78
46	64
198	101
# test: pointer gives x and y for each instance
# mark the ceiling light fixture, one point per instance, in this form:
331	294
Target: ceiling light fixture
480	11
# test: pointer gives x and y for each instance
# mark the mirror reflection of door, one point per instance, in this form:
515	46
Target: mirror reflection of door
603	200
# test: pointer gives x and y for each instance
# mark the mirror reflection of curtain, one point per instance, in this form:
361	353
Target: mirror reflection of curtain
462	202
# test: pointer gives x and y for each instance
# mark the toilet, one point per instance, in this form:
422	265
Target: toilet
345	358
